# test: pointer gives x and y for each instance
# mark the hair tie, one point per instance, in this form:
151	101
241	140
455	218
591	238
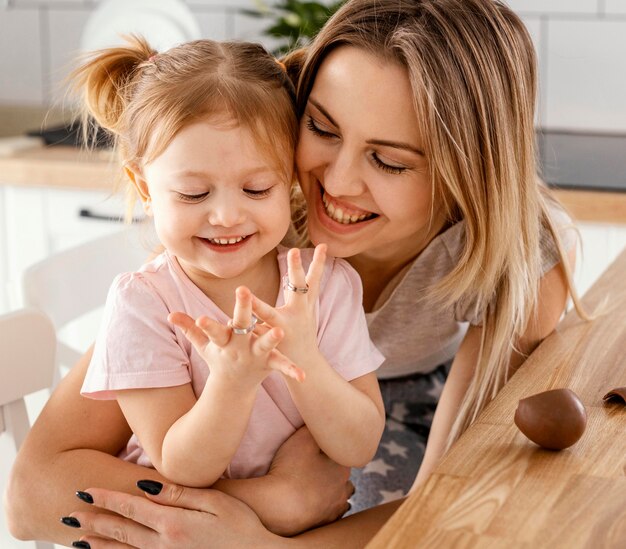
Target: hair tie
281	65
152	57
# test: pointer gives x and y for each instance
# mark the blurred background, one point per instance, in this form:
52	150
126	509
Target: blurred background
53	197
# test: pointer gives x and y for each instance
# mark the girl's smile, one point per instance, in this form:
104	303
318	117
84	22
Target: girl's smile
218	205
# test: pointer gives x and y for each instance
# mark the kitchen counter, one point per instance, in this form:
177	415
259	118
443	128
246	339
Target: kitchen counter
495	488
25	162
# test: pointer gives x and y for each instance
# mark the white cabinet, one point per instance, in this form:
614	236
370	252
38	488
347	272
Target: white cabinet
38	221
601	244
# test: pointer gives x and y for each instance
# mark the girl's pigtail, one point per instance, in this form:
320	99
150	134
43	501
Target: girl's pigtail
104	83
293	63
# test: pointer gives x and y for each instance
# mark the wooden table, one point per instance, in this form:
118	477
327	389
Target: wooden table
495	488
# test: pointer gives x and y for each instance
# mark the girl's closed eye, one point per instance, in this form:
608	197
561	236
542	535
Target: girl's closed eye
191	197
258	193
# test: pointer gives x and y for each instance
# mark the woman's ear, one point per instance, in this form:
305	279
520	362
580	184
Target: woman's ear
141	186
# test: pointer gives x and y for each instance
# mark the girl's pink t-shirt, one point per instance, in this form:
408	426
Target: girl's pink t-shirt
138	348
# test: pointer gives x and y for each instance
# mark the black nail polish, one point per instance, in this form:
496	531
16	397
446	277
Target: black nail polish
152	487
85	496
81	544
71	522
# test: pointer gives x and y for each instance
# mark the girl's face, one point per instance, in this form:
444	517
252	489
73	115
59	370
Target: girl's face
218	205
361	161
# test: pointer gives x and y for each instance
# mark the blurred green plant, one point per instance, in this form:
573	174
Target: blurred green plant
293	22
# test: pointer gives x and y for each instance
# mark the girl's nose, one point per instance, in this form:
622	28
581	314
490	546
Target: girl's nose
226	212
343	174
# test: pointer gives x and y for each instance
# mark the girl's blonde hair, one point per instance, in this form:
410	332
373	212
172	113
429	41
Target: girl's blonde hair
472	68
144	98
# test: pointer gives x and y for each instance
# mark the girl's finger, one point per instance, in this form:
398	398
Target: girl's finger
242	315
193	333
265	312
265	343
261	328
279	362
216	332
316	269
295	273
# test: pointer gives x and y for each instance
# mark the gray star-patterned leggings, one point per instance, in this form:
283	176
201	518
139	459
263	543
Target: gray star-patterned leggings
410	404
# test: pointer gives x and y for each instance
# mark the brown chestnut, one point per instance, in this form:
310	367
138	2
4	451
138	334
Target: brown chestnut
553	419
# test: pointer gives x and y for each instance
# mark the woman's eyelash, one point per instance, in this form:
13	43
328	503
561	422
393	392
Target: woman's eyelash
386	167
310	124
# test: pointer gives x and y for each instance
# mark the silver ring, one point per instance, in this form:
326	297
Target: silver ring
243	331
287	285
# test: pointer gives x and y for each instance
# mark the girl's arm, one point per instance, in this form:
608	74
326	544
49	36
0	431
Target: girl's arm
73	445
192	441
345	418
552	297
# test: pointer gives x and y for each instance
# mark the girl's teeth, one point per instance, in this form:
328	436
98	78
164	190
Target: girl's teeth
338	214
224	241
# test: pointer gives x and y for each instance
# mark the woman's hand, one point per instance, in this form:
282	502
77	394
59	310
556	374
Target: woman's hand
175	517
297	317
239	358
315	489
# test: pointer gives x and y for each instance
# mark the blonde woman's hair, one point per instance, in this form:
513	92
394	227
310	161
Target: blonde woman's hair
144	98
472	69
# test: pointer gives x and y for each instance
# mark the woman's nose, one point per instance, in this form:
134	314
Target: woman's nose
226	212
343	174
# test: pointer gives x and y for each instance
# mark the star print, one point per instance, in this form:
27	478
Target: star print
435	390
378	466
391	496
399	411
395	449
395	426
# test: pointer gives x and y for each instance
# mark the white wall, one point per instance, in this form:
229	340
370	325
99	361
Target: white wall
581	46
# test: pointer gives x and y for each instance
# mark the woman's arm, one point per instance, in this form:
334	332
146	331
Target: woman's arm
73	445
552	298
192	518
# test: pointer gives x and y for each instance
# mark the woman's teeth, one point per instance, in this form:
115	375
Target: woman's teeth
225	241
338	214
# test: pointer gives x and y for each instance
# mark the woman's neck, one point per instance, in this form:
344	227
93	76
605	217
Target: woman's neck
381	270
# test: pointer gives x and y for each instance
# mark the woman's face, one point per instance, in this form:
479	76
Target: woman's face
361	161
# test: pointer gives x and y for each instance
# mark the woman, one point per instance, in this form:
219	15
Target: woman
417	162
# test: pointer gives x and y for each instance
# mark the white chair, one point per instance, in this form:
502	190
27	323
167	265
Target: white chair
27	365
69	284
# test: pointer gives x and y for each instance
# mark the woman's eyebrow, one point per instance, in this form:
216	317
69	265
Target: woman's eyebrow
395	145
381	142
323	111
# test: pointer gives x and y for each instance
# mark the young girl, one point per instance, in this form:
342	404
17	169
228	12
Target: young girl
207	132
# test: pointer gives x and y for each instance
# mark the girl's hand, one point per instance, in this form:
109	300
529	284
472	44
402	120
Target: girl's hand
237	357
174	518
297	317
